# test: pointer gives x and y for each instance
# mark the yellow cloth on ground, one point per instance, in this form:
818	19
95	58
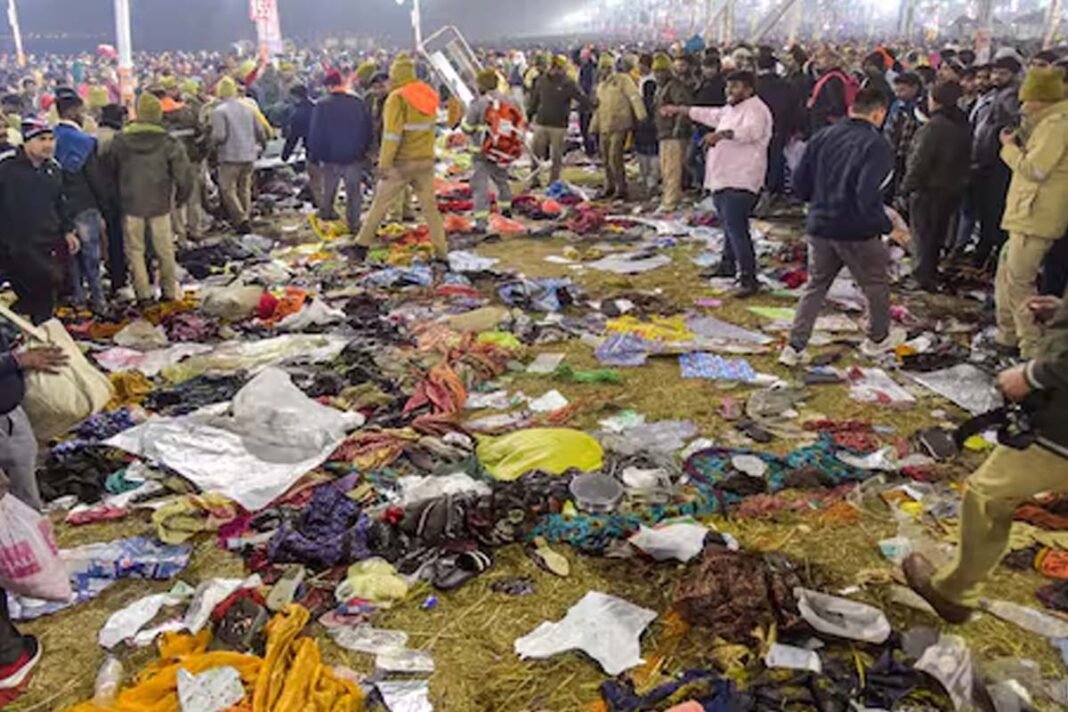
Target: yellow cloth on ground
659	328
291	678
131	387
552	450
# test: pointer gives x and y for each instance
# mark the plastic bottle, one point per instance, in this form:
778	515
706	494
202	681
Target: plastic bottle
108	681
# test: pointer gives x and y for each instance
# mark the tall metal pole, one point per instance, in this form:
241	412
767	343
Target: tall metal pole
984	32
124	42
417	25
1053	23
13	19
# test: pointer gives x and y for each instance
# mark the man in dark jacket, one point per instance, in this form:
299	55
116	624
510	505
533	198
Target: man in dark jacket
1010	476
842	175
85	190
34	218
934	180
152	171
296	133
902	123
991	175
339	139
587	80
785	107
673	132
828	103
549	108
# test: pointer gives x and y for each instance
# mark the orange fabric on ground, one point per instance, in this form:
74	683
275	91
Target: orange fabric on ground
291	678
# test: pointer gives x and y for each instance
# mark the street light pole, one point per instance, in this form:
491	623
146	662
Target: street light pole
13	19
124	42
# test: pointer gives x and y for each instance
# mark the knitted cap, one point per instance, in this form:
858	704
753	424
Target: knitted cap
366	71
560	62
1043	84
487	80
34	126
661	62
149	110
607	60
97	97
403	71
333	79
226	88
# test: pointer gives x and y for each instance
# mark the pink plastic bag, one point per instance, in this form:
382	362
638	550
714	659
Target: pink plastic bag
29	558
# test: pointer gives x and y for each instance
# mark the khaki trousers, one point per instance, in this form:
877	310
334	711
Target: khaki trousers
187	219
235	184
1007	479
549	143
613	145
1018	266
162	245
671	155
420	176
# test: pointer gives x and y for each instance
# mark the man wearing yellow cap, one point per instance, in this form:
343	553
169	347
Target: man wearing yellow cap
549	107
237	135
1036	209
619	109
407	155
502	120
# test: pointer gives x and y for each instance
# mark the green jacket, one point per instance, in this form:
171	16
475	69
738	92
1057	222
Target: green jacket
1048	375
151	169
1037	202
619	105
549	103
184	124
673	92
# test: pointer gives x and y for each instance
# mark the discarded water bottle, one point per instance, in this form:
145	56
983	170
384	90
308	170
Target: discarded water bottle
108	681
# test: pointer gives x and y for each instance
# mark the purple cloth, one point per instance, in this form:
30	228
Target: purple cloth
332	530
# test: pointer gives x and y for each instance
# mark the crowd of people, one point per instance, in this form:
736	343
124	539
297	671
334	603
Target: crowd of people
973	155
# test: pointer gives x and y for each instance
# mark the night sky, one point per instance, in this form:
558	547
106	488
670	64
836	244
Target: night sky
212	24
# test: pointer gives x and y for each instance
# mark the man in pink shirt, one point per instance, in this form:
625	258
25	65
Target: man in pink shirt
737	162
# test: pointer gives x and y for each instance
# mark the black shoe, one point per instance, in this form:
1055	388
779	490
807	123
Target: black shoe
359	253
507	212
244	228
748	287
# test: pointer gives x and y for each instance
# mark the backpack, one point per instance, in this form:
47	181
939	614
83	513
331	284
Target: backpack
504	138
852	87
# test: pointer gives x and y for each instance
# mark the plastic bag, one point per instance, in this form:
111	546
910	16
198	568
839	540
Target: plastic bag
29	558
56	402
233	303
552	450
842	617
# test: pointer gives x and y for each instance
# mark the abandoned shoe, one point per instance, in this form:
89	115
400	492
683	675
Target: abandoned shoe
918	572
791	357
359	253
17	672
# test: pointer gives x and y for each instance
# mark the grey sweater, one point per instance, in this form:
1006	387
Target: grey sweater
236	132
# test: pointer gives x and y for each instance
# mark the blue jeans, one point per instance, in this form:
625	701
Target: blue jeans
86	263
733	206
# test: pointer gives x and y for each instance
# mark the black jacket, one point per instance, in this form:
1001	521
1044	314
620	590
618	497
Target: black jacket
786	108
1004	113
842	175
33	208
550	101
12	387
711	92
298	128
341	130
940	155
1048	375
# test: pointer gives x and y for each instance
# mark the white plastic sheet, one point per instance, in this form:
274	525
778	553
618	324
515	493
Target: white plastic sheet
790	657
127	622
842	617
271	435
316	313
416	489
149	363
460	261
405	695
211	593
965	385
681	541
950	662
605	627
624	264
366	638
213	690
